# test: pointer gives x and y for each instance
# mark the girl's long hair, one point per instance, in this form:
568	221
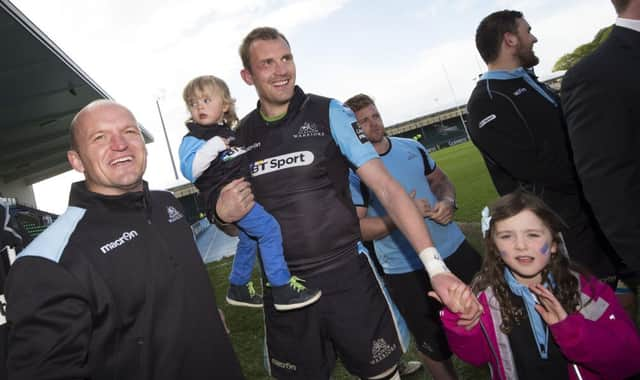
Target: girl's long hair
491	274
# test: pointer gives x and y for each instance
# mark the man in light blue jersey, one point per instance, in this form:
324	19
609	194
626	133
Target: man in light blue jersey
433	194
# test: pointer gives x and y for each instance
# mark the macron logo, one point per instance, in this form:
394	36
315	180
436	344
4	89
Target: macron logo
119	241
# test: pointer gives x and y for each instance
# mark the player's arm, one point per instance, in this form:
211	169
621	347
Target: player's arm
371	227
234	202
445	193
440	185
50	322
374	227
396	202
196	155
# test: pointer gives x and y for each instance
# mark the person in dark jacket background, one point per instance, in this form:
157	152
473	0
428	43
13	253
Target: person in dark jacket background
600	97
13	238
517	124
115	288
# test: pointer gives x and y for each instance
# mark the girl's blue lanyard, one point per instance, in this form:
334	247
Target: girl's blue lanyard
538	327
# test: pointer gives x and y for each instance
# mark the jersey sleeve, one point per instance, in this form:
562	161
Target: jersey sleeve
196	155
356	187
348	135
429	163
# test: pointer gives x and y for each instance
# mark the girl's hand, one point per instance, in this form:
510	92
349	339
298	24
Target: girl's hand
462	299
549	307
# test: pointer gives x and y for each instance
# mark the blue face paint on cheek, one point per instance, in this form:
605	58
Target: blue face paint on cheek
545	249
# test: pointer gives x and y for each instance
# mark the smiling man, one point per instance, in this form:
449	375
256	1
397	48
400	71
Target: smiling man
300	175
517	124
115	288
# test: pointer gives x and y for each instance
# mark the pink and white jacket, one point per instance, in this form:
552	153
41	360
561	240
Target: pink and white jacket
600	341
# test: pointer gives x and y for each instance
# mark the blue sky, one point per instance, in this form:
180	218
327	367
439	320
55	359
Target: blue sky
395	51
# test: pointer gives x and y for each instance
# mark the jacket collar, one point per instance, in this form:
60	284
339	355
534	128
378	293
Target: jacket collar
520	73
80	196
628	23
627	38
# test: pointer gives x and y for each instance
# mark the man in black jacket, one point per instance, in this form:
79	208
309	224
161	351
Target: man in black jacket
115	288
601	99
517	124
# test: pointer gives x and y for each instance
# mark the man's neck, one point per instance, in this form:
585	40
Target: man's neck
503	64
382	146
632	11
273	111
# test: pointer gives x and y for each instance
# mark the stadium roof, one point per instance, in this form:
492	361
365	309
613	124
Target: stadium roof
41	89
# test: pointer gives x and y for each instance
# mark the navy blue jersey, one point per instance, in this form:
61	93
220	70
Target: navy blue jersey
300	176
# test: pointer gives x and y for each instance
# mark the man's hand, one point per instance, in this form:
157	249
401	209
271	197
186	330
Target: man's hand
457	297
422	205
235	201
549	308
442	212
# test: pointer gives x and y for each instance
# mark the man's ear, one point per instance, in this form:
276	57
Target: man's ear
246	76
510	39
74	159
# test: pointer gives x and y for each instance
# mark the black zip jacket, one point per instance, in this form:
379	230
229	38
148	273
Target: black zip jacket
523	140
115	289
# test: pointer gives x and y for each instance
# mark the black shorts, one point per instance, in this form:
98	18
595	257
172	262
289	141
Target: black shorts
352	319
420	311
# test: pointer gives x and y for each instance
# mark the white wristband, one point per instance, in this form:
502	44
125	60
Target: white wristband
432	262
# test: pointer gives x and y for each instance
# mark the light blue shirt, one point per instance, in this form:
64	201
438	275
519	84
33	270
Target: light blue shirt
407	161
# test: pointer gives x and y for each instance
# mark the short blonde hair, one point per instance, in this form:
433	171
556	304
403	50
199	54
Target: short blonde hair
209	82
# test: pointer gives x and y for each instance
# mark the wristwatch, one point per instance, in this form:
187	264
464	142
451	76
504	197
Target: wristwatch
451	201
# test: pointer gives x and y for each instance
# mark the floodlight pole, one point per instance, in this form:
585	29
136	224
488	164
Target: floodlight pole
166	137
464	125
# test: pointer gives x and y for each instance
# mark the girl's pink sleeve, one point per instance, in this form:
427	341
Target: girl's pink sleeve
602	337
469	345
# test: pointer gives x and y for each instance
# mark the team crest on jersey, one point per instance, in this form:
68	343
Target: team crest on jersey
284	161
308	129
359	132
411	156
174	214
380	350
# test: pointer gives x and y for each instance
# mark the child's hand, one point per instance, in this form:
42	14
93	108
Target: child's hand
462	300
227	140
549	307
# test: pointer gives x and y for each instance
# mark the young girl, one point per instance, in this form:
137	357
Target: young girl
542	319
208	159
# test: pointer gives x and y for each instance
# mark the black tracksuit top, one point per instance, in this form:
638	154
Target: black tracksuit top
116	289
